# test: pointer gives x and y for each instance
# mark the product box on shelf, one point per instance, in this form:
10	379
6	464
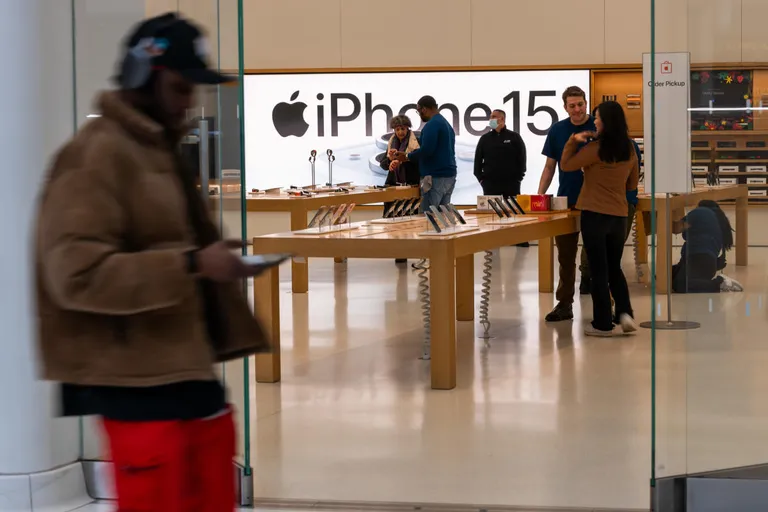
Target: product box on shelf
757	168
729	181
728	168
700	182
757	181
758	193
541	203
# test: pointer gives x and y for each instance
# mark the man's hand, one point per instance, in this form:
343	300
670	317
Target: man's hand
391	154
394	165
401	156
217	263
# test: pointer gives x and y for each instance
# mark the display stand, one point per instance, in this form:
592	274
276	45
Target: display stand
669	324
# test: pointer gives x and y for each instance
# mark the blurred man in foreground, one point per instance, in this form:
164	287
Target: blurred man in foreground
138	297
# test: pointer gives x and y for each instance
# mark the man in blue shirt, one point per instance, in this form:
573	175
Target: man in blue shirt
436	158
579	120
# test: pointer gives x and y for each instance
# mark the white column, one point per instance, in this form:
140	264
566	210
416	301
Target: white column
36	90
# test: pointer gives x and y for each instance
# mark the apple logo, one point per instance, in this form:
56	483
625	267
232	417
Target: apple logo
288	118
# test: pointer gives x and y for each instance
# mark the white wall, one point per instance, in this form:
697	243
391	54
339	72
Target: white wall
100	26
289	34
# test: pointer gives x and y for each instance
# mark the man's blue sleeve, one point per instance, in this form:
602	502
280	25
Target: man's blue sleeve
428	142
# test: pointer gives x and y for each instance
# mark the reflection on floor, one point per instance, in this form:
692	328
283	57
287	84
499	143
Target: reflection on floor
543	417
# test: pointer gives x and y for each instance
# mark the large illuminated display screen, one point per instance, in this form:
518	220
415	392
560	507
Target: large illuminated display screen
288	115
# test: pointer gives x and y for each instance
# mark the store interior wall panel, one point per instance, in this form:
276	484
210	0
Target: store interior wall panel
505	33
671	24
627	30
206	14
401	33
715	31
157	7
754	36
289	34
99	32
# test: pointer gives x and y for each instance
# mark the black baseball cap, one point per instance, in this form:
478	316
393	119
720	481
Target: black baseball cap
171	42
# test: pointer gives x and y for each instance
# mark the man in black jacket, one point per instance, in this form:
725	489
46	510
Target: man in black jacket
500	159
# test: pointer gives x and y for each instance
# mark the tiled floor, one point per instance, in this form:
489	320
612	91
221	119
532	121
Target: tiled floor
544	417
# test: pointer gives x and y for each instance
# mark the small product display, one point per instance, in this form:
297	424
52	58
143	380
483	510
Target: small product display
443	220
495	208
503	207
312	158
457	214
401	210
346	218
331	159
431	218
447	214
514	205
330	219
318	215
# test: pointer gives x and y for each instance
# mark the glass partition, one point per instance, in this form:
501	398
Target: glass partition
216	144
709	412
214	148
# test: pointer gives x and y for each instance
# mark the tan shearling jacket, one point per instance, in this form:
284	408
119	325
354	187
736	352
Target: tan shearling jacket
115	301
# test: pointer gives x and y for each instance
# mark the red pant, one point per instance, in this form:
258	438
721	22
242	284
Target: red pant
174	466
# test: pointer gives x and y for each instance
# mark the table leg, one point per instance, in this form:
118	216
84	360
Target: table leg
663	265
299	266
742	231
266	304
642	238
442	317
465	288
546	265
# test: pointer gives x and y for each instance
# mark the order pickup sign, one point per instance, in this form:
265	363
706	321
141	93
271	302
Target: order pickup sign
667	137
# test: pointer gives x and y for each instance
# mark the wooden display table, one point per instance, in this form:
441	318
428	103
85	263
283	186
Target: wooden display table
452	283
676	206
299	208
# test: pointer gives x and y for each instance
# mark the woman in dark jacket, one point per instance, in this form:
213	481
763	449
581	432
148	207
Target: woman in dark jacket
404	140
406	173
708	236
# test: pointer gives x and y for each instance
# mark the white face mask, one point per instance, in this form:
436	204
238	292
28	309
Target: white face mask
493	123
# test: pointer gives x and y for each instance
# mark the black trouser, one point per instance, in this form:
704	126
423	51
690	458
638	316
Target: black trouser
603	237
507	188
584	265
696	274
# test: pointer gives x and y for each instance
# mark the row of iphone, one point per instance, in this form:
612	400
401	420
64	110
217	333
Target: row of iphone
332	215
447	215
505	207
402	208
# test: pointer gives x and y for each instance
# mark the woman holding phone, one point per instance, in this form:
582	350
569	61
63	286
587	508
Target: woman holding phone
611	168
406	173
